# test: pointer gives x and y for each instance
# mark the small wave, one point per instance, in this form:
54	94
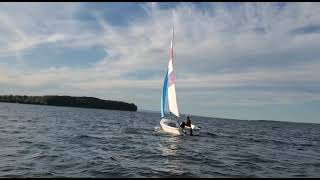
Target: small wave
181	175
113	158
84	137
3	117
304	144
43	146
210	134
25	142
131	130
15	132
41	156
157	129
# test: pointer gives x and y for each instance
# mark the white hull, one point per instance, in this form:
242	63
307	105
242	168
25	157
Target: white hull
173	127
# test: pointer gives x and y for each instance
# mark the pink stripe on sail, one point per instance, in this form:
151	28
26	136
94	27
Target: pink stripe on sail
170	79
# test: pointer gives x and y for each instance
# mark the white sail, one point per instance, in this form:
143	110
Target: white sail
172	100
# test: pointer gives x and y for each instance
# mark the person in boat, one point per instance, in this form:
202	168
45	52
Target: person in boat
182	125
188	121
189	124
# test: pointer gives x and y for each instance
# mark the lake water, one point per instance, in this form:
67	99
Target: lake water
49	141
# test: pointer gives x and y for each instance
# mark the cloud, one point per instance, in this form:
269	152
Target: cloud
267	51
28	25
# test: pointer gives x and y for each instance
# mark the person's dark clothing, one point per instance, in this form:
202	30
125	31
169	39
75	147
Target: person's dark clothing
188	123
183	124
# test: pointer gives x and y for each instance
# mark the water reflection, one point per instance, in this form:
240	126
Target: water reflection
169	145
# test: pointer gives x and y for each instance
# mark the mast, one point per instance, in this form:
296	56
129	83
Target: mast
172	41
172	55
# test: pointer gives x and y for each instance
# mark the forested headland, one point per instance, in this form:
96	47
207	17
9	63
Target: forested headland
70	101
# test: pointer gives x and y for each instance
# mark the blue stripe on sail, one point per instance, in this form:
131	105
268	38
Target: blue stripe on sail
164	94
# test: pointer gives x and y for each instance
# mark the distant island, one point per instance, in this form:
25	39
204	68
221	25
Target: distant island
83	102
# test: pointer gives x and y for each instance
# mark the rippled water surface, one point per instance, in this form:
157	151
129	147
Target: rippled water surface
48	141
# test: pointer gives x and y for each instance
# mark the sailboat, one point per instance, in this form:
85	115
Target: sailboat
169	125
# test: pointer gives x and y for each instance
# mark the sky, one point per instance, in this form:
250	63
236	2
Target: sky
252	61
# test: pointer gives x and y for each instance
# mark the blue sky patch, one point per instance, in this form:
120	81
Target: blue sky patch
52	55
314	28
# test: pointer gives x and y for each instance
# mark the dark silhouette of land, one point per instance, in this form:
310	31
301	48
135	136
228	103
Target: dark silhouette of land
70	101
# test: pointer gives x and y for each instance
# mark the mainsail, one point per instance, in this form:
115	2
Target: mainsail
172	100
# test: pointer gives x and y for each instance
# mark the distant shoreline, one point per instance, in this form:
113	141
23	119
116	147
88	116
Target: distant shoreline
69	101
233	119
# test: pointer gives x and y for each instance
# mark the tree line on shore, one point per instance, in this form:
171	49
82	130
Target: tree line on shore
70	101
